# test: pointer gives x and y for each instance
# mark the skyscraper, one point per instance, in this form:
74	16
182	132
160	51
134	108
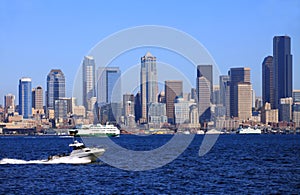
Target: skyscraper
223	80
25	101
149	84
55	87
173	89
207	72
268	80
88	78
9	103
109	84
239	96
283	68
37	98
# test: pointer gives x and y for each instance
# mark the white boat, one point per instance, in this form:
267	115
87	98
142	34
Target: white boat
80	153
248	130
96	130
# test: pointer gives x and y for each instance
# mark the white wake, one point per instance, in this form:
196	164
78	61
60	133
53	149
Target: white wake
62	160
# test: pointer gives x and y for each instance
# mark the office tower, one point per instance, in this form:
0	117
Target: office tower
149	84
243	106
194	116
223	82
296	114
269	115
182	110
128	104
268	80
239	76
204	99
173	89
216	94
60	110
25	101
283	68
37	99
253	96
285	109
88	79
137	106
109	84
296	96
55	87
162	97
194	94
157	115
9	103
206	71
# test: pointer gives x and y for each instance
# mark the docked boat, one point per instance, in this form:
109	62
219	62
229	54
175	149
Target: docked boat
248	130
79	153
97	130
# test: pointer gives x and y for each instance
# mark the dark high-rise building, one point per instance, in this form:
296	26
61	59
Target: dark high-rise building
223	79
268	81
25	101
172	90
137	106
283	68
239	79
55	87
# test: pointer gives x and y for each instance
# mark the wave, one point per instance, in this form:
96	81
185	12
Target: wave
62	160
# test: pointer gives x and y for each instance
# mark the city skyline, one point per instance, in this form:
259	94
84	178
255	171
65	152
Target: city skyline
248	35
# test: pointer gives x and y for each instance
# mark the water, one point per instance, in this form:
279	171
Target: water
237	164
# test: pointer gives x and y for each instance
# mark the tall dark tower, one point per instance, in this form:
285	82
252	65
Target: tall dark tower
268	81
283	68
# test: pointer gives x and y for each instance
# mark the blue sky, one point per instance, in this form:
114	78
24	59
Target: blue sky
36	36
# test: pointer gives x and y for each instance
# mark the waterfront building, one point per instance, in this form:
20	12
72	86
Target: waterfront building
55	88
269	115
88	81
285	109
9	103
283	68
268	81
25	99
173	88
148	82
109	85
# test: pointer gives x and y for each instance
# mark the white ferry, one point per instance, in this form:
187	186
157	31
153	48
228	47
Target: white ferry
97	130
248	130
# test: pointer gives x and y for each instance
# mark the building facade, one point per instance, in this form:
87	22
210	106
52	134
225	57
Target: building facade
25	99
173	89
9	103
148	82
88	79
268	80
283	68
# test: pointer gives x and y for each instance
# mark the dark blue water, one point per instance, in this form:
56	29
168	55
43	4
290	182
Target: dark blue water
237	164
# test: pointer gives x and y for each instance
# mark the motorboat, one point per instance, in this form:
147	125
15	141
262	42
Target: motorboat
79	153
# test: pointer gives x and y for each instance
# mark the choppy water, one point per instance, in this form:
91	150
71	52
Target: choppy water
237	164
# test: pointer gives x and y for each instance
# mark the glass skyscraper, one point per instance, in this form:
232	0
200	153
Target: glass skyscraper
109	85
283	68
88	75
268	81
55	87
25	99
